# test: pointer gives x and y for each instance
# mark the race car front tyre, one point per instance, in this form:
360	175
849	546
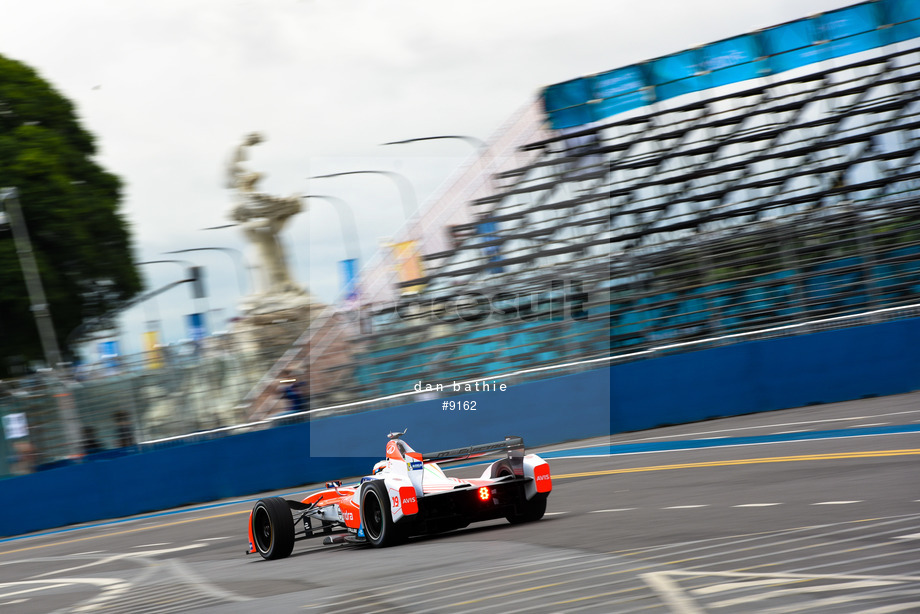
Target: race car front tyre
379	528
273	528
528	511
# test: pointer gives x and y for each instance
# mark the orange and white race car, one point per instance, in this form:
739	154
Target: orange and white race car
407	494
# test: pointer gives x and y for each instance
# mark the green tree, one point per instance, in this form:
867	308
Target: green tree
71	206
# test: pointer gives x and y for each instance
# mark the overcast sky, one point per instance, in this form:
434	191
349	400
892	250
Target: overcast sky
170	87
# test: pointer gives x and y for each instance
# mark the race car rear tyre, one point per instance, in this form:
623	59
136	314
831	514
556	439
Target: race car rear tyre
502	468
379	528
529	511
273	528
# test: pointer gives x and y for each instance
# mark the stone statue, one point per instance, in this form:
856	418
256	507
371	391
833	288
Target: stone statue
262	218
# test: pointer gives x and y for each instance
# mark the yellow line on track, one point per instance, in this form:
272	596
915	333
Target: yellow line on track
744	461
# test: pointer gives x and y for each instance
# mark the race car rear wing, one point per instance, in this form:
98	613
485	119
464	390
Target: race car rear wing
513	446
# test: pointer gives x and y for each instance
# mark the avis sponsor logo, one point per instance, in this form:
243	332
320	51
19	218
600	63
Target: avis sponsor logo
408	500
542	477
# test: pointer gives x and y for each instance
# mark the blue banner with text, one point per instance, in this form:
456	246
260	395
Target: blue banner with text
834	34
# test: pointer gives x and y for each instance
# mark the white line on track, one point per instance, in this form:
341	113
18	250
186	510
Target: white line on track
757	504
555	513
836	502
859	426
670	593
34	590
891	609
791	432
211	539
914	536
152	545
621	509
683	507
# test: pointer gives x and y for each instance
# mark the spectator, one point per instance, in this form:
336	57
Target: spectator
124	429
24	457
91	445
295	391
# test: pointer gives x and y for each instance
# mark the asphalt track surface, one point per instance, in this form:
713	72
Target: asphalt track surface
807	510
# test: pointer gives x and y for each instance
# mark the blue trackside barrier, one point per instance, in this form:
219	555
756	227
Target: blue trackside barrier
823	367
162	478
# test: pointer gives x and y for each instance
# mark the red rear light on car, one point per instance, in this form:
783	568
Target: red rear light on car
484	494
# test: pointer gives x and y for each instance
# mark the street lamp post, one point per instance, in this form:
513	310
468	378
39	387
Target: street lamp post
346	222
481	146
41	312
349	236
39	304
407	192
472	140
234	254
196	276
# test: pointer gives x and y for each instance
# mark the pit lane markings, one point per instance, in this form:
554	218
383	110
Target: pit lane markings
756	551
665	584
794	575
446	586
744	461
